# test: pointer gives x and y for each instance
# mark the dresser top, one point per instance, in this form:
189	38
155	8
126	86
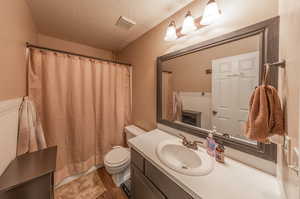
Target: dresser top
27	167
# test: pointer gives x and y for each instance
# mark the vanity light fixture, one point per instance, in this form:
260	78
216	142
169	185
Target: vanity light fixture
188	24
211	13
171	34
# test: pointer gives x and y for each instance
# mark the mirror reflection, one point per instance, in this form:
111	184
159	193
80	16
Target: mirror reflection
211	88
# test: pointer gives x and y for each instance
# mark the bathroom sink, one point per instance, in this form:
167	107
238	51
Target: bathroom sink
184	160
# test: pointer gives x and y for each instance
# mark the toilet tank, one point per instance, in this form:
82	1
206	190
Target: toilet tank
132	131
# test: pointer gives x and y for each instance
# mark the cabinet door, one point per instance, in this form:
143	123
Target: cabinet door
170	189
39	188
142	188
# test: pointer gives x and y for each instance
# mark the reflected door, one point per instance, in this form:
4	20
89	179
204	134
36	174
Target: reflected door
234	79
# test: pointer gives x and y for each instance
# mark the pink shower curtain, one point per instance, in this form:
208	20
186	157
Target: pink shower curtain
84	105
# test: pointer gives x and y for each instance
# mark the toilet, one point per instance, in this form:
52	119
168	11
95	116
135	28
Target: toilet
117	160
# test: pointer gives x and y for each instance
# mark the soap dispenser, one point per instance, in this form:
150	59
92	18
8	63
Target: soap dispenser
220	150
211	143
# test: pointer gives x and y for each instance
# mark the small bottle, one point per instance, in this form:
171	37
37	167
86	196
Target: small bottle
211	144
220	150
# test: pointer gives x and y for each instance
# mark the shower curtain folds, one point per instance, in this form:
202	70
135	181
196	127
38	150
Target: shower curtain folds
83	103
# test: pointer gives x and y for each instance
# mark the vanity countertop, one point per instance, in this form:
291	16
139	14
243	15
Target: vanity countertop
232	180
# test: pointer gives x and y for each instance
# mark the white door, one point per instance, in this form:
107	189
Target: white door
234	79
222	99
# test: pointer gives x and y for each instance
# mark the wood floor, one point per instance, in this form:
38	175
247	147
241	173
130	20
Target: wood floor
113	192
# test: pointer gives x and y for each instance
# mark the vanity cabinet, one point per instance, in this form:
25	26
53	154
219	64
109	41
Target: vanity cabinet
148	182
142	187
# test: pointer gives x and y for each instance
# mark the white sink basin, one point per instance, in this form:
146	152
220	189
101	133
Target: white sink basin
184	160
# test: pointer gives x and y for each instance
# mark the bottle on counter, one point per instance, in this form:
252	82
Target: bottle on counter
211	143
219	154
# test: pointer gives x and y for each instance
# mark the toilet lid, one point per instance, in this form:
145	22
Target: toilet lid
117	156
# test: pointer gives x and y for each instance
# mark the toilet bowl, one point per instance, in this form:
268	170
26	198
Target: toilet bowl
117	160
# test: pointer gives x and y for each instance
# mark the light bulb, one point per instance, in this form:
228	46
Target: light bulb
171	34
188	24
211	13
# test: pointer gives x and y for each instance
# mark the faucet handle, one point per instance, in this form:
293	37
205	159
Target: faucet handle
194	144
184	139
182	136
197	142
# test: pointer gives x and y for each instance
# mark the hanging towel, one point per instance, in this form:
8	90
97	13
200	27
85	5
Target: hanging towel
31	135
177	106
265	113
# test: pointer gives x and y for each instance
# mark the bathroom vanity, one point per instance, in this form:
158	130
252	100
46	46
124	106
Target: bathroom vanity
152	179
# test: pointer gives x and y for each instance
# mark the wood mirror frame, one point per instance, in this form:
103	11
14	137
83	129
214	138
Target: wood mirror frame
268	32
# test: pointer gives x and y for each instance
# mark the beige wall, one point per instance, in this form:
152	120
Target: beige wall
17	28
189	71
142	53
52	42
289	90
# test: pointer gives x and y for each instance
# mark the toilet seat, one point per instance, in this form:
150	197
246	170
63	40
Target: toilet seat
117	161
117	157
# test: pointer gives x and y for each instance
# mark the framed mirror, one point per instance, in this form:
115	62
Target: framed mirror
208	86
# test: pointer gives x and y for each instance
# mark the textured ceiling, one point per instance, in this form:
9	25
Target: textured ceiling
92	22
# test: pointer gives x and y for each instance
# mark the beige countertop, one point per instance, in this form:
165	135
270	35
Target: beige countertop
232	180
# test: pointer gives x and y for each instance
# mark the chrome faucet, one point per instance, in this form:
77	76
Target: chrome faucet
190	144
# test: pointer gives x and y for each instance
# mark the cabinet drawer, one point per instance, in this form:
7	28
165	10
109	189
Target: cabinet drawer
142	188
137	160
164	184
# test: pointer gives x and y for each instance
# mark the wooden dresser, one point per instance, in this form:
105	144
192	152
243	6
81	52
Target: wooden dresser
30	176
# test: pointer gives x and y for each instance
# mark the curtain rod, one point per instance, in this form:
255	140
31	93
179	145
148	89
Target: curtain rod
28	45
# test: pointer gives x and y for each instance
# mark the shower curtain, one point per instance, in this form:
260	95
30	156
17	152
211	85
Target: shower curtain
84	105
167	96
177	106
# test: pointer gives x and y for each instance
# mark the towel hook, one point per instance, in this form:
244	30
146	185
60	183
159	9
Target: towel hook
280	64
